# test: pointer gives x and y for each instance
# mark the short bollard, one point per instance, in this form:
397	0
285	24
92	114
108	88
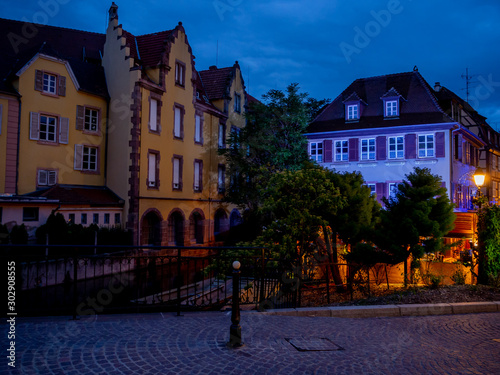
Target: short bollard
235	330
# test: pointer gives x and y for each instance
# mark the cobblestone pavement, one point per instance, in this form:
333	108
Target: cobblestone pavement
195	344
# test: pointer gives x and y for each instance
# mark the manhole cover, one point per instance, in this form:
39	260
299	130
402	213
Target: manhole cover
313	344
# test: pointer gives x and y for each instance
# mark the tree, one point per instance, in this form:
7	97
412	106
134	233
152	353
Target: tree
489	244
272	141
416	217
296	206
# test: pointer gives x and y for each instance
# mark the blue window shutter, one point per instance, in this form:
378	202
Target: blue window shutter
353	149
381	148
327	150
410	146
440	145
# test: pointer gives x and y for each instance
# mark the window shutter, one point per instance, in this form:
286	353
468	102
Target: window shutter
327	149
381	190
381	148
64	130
38	80
459	148
200	177
153	115
152	170
177	122
61	91
51	177
158	115
80	117
78	163
42	177
353	149
440	145
410	146
472	155
34	126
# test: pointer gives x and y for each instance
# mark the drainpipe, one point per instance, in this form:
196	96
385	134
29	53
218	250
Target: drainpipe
18	142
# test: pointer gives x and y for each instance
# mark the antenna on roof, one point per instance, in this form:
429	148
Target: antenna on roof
217	54
467	83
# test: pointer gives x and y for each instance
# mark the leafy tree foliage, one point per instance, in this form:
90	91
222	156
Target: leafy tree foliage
19	235
416	217
489	242
272	141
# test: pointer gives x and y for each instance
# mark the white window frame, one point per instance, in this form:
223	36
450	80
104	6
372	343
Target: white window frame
87	155
176	173
49	83
367	144
180	71
392	186
222	136
44	134
221	178
373	188
426	147
91	120
152	177
343	145
153	115
198	170
197	129
237	103
397	149
353	112
391	108
316	151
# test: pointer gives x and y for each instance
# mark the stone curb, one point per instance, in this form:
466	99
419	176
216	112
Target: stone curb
376	311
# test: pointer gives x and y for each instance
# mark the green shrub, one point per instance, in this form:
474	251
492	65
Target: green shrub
432	281
459	277
19	235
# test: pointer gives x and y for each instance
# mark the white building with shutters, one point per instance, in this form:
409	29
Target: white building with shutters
385	126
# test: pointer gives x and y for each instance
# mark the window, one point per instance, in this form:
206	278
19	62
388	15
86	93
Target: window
393	187
86	158
353	112
71	218
222	136
180	71
372	188
117	219
83	218
198	175
391	108
153	169
89	158
30	213
50	83
95	219
396	147
91	119
221	179
178	121
316	151
153	111
45	128
106	218
198	129
46	177
177	172
48	128
425	145
341	150
368	149
237	103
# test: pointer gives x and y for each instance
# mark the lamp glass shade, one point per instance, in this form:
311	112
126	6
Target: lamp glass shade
479	177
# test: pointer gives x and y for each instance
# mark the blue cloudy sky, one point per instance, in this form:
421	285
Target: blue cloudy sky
322	44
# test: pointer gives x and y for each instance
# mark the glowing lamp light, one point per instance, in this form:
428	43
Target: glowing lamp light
479	177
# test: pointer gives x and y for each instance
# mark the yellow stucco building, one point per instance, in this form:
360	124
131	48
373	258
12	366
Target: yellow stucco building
118	129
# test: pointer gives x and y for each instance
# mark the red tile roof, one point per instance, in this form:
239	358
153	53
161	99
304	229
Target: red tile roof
94	196
147	49
216	81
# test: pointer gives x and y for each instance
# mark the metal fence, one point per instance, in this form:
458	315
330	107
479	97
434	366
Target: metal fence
88	280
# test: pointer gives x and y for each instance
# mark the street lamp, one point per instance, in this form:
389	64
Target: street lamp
479	176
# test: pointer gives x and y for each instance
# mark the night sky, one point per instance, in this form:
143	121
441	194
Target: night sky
323	45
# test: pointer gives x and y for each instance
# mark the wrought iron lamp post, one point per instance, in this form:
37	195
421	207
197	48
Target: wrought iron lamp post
479	177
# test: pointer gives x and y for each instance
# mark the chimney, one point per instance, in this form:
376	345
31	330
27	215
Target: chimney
213	67
437	86
113	12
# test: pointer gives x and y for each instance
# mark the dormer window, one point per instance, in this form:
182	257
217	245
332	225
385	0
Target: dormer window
391	108
352	112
